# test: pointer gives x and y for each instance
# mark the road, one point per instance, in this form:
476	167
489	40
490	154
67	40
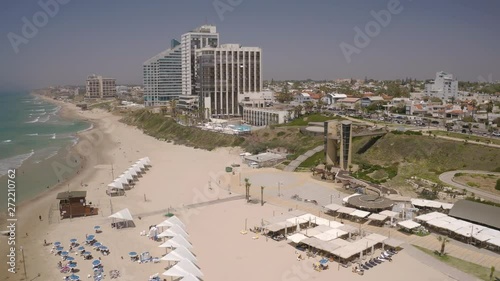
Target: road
447	178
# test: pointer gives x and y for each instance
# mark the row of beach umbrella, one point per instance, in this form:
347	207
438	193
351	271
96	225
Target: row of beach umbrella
131	174
185	261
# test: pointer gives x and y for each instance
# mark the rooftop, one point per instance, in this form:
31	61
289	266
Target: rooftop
71	194
476	212
370	202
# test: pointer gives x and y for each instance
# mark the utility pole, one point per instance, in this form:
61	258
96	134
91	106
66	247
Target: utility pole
262	196
112	173
24	263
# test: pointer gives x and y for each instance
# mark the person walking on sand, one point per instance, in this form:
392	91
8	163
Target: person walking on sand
40	218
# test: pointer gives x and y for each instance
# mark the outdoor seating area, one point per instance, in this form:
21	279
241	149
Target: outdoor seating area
89	251
126	180
330	240
461	230
181	261
122	219
357	215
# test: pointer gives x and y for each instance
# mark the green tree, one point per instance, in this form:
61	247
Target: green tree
443	240
247	189
492	273
173	107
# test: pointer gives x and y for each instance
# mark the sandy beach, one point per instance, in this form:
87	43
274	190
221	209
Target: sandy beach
179	176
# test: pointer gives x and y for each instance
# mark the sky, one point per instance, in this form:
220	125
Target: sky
299	39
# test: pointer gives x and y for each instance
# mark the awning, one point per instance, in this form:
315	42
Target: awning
296	238
333	207
346	210
360	214
408	224
377	238
390	214
123	215
377	217
391	242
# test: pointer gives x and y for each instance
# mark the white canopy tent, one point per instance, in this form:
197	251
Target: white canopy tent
332	207
128	176
145	161
170	243
140	165
430	216
296	238
190	277
125	219
136	168
360	214
377	217
132	172
331	234
177	221
408	224
189	267
346	210
115	184
180	254
168	233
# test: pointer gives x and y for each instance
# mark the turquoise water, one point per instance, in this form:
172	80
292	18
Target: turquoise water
32	136
243	128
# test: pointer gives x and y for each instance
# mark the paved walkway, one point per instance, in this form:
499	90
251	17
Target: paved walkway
295	163
447	178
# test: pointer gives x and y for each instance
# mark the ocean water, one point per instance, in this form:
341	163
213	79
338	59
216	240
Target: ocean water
32	136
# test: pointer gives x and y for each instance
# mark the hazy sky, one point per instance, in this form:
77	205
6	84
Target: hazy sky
300	39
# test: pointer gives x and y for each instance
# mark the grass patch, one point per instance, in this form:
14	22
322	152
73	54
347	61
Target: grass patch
313	161
424	157
476	270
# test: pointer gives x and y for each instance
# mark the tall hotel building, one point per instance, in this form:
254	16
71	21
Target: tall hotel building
203	36
225	73
98	87
162	76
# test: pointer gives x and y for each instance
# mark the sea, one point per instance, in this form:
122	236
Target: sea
33	139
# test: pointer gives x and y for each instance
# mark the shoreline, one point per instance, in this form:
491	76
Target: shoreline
27	211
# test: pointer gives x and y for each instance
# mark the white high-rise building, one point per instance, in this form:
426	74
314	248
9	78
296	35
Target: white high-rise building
225	75
443	87
98	87
203	36
162	76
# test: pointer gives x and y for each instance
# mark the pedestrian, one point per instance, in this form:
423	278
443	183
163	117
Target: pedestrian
40	218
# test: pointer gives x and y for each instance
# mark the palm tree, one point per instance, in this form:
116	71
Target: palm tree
443	240
247	189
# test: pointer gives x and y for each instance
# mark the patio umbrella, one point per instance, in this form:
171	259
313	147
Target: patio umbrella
179	254
73	240
97	244
81	248
64	253
72	265
57	244
132	254
103	248
59	248
90	237
96	262
74	277
97	227
68	258
87	254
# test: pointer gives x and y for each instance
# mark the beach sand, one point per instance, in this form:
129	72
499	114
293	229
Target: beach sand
179	176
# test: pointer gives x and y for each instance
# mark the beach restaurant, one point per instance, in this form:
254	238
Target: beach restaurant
73	204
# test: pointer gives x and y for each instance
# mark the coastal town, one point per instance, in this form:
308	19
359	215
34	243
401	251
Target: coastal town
208	171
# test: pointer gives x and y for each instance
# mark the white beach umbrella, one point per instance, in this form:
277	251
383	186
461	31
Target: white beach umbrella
140	165
174	244
177	221
132	171
136	168
180	230
116	185
177	255
190	277
189	267
168	233
121	180
182	241
146	161
128	176
176	272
